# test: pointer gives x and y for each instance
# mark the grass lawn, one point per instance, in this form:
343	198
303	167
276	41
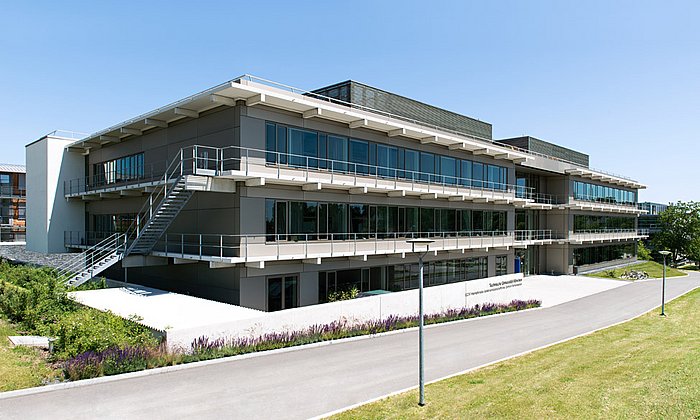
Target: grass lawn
646	368
21	367
654	269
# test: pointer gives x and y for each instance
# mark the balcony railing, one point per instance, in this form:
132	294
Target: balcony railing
271	247
115	179
608	234
604	200
251	162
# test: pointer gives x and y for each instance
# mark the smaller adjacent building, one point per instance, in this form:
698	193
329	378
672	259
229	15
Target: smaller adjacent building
650	219
13	203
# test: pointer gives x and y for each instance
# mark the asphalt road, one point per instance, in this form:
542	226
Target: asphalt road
314	381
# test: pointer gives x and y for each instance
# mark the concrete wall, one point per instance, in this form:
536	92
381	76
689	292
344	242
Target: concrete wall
49	214
500	289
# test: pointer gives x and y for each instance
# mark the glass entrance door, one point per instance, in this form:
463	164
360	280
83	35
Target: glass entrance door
282	293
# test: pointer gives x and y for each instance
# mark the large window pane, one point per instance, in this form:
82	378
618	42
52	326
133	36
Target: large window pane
359	156
359	220
270	219
427	167
387	160
338	153
411	164
466	173
478	175
448	170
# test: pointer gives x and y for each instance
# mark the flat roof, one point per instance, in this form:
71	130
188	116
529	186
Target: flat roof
162	310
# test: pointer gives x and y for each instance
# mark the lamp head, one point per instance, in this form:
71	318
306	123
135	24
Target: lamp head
665	253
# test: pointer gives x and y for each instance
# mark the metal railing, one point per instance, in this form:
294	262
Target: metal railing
68	134
252	161
114	179
603	200
311	245
87	262
604	234
537	235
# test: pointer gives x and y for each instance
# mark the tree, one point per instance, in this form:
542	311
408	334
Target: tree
680	230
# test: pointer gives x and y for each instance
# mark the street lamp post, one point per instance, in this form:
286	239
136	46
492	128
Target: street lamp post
421	370
663	283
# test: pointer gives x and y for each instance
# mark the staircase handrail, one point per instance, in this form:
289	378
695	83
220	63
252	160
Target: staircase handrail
96	253
175	170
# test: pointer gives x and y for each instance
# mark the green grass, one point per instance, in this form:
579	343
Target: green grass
654	269
22	367
646	368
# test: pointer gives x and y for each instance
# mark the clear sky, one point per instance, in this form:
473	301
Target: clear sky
619	80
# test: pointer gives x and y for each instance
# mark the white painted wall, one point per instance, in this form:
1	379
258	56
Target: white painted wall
501	289
49	214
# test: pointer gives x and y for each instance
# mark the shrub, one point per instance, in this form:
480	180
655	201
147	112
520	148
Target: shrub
343	295
90	330
643	252
115	360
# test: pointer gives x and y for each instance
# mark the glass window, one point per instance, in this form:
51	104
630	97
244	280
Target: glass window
427	220
359	220
387	161
411	164
282	144
337	219
303	219
359	156
448	170
448	220
466	220
466	173
338	153
281	219
427	167
478	175
303	145
270	219
494	177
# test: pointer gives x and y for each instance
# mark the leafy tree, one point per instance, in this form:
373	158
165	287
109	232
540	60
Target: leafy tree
680	230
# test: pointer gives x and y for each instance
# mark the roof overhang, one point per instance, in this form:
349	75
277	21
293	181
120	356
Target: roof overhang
253	93
603	177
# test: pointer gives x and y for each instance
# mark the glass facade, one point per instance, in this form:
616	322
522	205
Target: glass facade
119	170
112	223
400	277
599	254
313	149
310	220
603	194
585	222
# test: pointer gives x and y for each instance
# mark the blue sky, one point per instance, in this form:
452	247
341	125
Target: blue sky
618	80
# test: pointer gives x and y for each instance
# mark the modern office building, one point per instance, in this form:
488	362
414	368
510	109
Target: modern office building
13	204
271	197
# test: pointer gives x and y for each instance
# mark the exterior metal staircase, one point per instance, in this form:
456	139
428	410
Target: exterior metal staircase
91	262
157	221
160	209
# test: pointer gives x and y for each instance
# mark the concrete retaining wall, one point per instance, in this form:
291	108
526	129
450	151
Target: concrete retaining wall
499	289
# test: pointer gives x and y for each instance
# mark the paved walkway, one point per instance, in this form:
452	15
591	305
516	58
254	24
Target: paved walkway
310	382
